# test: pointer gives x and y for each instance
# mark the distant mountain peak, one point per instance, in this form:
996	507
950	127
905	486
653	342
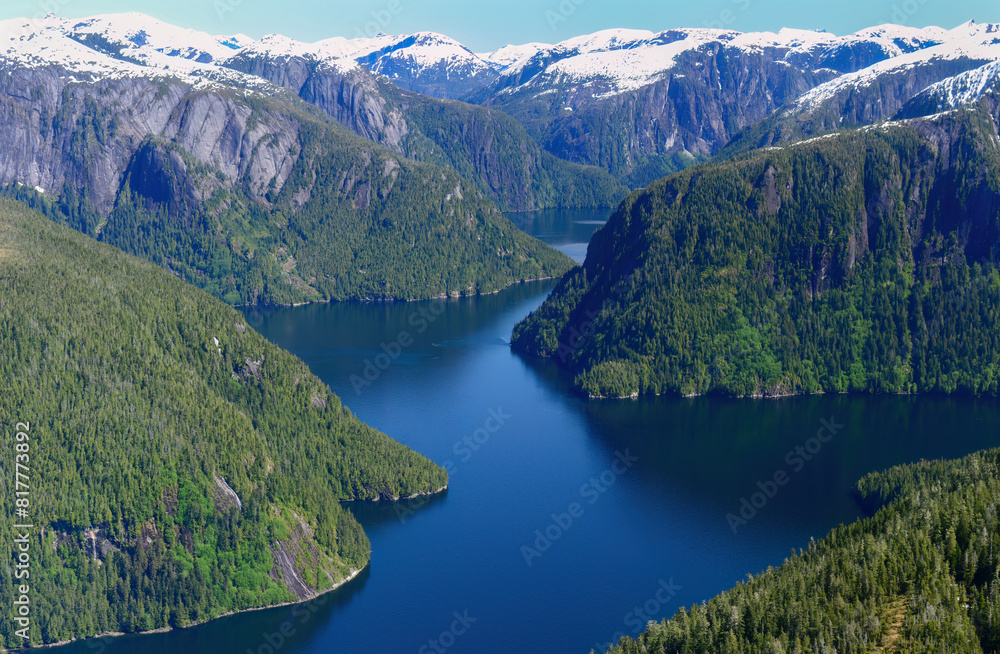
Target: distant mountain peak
611	61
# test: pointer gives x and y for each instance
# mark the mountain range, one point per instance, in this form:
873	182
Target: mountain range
798	212
191	467
657	100
266	170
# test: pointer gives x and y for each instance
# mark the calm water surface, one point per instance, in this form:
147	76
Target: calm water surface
659	523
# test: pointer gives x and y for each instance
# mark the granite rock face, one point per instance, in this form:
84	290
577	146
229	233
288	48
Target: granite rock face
56	132
485	145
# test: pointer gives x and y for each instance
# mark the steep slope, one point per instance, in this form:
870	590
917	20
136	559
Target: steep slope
239	186
622	60
954	92
918	576
636	103
643	104
485	146
876	92
639	104
709	94
864	260
179	466
426	63
332	75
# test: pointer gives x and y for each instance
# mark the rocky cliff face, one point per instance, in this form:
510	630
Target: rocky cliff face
642	105
708	96
351	96
58	132
850	101
486	146
193	175
638	104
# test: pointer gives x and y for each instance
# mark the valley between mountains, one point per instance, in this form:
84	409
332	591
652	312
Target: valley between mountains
792	213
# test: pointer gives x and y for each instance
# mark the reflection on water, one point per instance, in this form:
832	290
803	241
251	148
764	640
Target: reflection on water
567	230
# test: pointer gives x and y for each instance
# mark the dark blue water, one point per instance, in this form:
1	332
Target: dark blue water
625	542
567	230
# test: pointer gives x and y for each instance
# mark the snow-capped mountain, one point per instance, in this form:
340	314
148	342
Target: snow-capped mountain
542	125
153	80
608	62
615	61
135	35
429	59
969	41
619	61
957	91
964	88
425	62
509	55
122	45
954	68
638	103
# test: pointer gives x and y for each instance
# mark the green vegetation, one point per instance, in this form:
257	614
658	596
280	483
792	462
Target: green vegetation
862	261
406	234
921	575
492	150
139	420
601	134
343	218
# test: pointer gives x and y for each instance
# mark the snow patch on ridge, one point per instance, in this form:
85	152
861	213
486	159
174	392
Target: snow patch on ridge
969	41
604	63
121	46
966	87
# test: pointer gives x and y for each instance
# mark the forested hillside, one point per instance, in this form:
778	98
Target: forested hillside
865	260
180	465
252	195
921	575
486	146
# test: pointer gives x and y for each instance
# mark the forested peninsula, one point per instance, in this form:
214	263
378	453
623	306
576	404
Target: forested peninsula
181	467
862	260
919	576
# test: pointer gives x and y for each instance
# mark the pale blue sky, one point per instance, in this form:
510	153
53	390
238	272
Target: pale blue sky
486	25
